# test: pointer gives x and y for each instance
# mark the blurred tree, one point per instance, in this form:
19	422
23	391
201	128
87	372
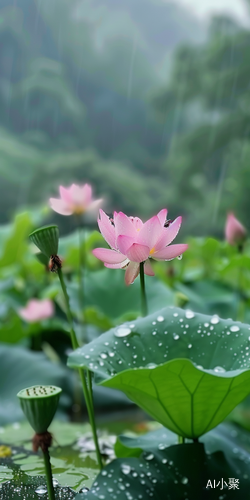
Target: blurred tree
75	77
207	165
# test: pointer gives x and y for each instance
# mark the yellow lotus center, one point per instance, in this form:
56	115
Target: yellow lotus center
152	251
78	209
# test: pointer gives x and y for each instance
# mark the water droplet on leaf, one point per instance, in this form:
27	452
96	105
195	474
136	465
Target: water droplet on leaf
189	314
160	319
234	328
219	369
123	331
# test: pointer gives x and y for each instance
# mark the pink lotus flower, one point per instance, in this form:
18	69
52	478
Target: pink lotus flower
235	232
74	200
36	310
133	242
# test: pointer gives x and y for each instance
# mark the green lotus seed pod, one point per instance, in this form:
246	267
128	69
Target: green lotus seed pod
43	259
46	239
39	404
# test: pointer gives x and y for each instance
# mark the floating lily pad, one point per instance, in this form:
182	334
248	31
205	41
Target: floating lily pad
71	465
187	370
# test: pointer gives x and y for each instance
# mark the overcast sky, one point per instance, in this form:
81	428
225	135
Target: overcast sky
202	8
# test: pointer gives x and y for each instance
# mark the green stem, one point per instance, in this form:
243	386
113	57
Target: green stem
181	439
87	396
74	341
48	473
240	291
144	306
81	266
89	378
89	403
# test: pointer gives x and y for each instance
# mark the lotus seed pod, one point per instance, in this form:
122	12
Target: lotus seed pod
43	259
39	404
46	239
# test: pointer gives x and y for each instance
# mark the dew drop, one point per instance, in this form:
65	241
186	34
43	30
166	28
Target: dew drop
125	469
189	314
151	366
184	480
189	346
234	328
160	319
179	257
123	331
215	319
103	355
41	490
149	457
162	446
219	369
176	337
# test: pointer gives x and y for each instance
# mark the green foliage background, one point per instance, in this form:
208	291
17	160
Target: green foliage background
152	109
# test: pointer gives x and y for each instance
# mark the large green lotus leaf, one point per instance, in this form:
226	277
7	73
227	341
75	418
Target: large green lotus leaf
210	297
187	370
105	291
167	471
20	368
227	437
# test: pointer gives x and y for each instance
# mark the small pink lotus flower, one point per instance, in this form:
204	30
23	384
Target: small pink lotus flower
36	310
235	232
74	200
133	242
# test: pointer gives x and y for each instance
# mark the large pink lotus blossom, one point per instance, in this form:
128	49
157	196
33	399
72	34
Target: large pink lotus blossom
74	200
235	232
133	241
36	310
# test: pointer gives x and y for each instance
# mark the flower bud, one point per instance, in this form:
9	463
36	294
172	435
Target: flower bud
235	232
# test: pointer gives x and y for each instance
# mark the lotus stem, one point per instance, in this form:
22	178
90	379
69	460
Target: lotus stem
81	265
74	341
86	391
90	408
181	439
144	305
49	476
